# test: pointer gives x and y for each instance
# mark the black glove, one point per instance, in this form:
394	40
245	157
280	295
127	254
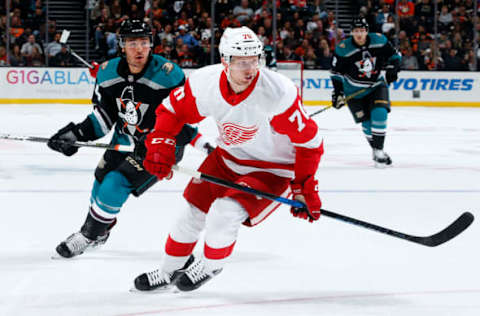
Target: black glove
62	141
392	73
338	99
140	151
209	148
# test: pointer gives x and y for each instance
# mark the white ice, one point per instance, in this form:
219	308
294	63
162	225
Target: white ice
282	267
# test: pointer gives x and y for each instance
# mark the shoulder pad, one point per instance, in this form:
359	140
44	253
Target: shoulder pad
164	72
344	47
108	70
377	39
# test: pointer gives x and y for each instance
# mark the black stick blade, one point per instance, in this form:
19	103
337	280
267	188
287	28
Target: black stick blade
453	230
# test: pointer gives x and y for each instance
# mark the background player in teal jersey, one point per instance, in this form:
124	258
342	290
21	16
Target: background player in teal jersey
127	92
356	74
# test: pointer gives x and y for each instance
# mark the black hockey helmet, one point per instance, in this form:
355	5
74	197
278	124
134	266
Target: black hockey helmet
360	22
132	28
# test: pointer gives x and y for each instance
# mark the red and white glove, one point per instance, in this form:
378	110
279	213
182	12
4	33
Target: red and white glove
307	193
93	71
160	155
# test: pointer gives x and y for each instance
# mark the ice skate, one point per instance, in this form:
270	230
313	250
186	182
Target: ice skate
160	280
195	276
381	159
74	245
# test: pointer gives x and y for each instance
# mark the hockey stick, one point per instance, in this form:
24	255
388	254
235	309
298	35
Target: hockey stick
126	148
351	96
63	40
451	231
454	229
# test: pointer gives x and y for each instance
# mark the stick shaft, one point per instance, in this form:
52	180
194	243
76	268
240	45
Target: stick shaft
80	59
353	95
126	148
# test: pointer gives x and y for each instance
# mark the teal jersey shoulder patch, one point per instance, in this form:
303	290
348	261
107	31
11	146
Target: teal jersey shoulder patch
164	72
377	39
108	70
345	47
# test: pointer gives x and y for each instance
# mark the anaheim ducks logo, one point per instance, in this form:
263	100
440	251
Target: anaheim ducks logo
130	111
233	134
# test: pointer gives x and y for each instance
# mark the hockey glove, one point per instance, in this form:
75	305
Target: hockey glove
93	71
140	151
160	155
63	140
338	99
208	148
307	194
391	74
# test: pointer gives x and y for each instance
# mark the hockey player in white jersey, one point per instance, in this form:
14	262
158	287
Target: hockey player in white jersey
266	142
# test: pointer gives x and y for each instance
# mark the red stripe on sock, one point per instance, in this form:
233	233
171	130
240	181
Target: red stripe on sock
218	253
195	139
178	249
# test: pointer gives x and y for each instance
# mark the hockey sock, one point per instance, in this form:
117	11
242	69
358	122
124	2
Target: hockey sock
379	126
92	228
367	130
182	238
108	197
223	222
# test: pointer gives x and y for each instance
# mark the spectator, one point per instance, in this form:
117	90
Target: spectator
116	10
243	13
382	16
29	47
388	26
318	7
313	23
289	54
53	47
445	19
186	37
325	55
453	61
405	12
35	59
424	12
409	61
3	56
185	57
112	44
63	58
16	28
167	35
16	58
310	59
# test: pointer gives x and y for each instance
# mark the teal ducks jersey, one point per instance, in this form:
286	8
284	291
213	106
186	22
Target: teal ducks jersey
127	102
357	67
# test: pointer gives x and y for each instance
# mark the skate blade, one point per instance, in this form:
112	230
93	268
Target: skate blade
56	256
380	165
165	290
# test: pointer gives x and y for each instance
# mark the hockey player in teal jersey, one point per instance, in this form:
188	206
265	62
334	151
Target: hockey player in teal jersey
356	75
127	92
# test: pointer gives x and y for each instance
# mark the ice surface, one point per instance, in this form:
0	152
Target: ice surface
284	266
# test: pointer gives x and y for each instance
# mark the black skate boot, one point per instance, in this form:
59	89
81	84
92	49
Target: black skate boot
86	238
195	276
381	158
160	280
74	245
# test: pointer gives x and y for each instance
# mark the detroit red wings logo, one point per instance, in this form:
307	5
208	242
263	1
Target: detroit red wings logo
233	134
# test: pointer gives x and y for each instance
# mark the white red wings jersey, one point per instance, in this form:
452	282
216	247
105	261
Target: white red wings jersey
258	128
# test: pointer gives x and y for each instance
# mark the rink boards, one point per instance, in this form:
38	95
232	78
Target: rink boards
75	86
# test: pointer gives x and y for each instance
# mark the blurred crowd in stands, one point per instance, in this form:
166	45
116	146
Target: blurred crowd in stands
30	39
306	30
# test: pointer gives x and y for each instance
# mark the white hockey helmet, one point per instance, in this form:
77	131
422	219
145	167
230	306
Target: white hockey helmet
240	41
